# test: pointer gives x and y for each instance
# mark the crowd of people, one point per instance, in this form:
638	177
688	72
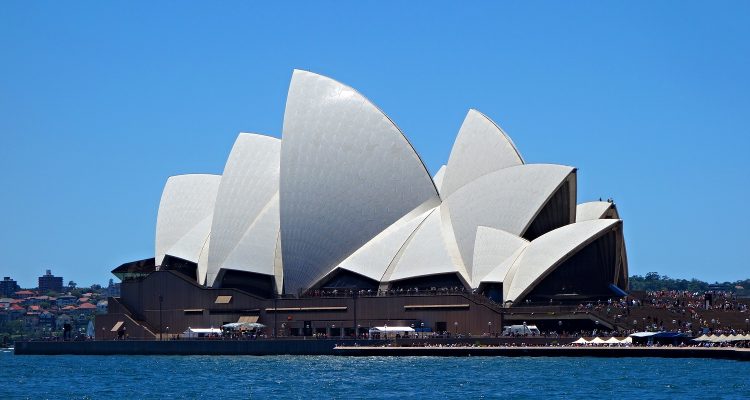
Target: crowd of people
415	291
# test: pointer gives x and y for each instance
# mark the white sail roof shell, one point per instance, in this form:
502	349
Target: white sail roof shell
249	183
193	243
256	250
491	248
506	270
594	210
186	202
481	147
347	173
507	199
372	259
427	252
438	178
548	251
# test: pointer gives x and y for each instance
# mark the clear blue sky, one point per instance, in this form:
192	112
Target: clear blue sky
101	101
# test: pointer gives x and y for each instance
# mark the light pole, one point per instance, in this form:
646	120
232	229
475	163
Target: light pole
275	315
422	330
489	328
747	326
412	327
356	326
385	327
455	328
161	300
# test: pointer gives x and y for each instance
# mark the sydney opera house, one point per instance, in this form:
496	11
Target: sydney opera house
338	226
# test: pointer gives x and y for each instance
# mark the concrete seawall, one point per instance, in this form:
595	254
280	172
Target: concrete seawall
366	349
180	347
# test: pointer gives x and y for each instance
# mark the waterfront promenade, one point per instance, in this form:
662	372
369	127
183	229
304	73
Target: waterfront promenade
731	353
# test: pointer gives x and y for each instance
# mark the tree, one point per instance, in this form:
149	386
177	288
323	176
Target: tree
72	285
653	276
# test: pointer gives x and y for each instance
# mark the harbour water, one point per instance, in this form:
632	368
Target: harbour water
329	377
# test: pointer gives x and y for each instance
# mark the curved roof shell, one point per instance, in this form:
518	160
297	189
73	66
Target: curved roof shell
256	250
507	199
373	259
249	183
183	220
596	210
347	173
427	253
548	251
438	178
481	147
491	248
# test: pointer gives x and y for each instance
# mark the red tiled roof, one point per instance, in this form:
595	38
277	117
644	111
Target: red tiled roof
69	308
24	292
88	306
16	307
83	300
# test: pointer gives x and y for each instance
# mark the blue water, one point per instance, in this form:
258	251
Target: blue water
325	377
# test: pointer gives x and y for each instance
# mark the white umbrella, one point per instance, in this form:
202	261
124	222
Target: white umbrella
612	340
703	338
581	341
597	340
715	339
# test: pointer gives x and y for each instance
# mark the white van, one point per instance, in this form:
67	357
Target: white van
519	330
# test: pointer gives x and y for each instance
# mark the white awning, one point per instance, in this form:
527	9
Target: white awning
376	329
643	334
202	330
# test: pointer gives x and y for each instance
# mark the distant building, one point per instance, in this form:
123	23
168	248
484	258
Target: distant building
113	289
24	294
66	300
101	306
50	283
8	287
